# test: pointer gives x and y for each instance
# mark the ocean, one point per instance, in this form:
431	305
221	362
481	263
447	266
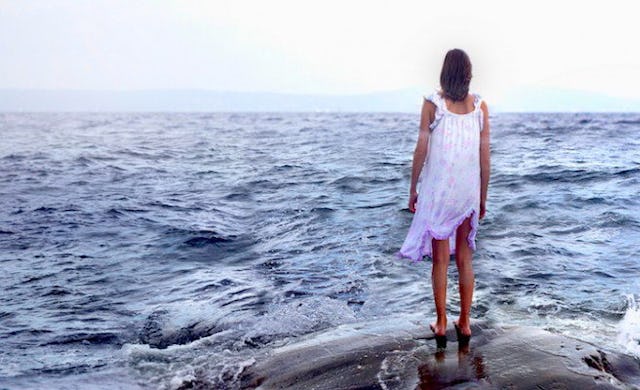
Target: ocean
167	250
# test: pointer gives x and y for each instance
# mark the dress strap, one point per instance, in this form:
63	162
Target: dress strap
441	109
435	98
476	104
438	101
477	100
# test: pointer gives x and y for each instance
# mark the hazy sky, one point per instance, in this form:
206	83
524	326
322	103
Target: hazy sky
318	46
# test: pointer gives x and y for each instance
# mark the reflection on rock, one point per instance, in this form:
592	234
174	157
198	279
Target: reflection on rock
442	372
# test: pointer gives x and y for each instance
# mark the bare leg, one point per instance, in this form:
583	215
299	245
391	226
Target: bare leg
465	272
440	258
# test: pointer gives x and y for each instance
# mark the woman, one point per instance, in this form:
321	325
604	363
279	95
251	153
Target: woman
448	194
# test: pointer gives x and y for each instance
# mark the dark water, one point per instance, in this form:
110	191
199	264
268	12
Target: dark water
156	250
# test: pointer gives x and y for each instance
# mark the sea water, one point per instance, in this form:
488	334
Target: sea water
162	250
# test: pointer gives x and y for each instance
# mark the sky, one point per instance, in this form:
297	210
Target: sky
325	47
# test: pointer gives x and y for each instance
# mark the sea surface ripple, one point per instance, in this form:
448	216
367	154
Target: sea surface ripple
159	249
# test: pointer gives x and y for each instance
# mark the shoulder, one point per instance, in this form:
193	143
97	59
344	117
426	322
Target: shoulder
430	104
485	108
434	97
431	101
483	103
429	109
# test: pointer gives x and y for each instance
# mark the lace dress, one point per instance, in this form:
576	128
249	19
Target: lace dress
449	184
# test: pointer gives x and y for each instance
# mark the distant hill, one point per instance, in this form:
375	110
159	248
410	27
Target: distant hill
405	100
203	100
539	99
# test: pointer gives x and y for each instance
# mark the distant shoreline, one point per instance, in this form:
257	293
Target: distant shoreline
134	112
530	100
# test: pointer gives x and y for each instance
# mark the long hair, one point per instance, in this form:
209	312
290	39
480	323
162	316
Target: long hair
455	75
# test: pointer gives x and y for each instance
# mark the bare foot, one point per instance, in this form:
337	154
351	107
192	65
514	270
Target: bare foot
438	329
465	329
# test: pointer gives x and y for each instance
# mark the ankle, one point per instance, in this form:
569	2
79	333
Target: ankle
463	321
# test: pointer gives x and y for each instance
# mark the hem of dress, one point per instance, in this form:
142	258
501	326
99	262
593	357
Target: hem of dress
470	238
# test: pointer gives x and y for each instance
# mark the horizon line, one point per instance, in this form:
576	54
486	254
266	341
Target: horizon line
289	112
533	99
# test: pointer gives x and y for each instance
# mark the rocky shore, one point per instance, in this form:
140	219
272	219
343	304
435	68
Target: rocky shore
397	354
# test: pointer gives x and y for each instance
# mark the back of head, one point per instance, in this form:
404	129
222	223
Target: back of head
455	75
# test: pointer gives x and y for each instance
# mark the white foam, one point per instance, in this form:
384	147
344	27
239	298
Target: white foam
300	316
182	377
233	346
629	327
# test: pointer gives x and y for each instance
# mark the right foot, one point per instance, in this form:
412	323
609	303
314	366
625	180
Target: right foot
465	329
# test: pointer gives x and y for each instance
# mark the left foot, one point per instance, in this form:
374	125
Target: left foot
438	329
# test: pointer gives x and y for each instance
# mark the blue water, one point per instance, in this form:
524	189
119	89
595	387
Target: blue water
158	250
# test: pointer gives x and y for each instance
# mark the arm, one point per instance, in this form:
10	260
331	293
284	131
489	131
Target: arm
485	159
420	152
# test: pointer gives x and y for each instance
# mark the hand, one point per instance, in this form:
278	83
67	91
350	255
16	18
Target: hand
483	209
413	199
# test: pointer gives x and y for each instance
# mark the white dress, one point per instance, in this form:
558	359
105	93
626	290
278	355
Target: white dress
449	183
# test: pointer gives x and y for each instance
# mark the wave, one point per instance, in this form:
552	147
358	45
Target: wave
56	291
159	332
629	327
198	238
549	174
238	196
616	219
98	338
628	122
15	157
361	184
628	172
565	176
181	325
201	241
45	209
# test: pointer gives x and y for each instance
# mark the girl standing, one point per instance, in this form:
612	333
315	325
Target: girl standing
448	193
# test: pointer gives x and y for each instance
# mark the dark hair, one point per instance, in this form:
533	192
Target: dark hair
455	75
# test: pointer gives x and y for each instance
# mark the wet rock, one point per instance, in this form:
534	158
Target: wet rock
402	355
